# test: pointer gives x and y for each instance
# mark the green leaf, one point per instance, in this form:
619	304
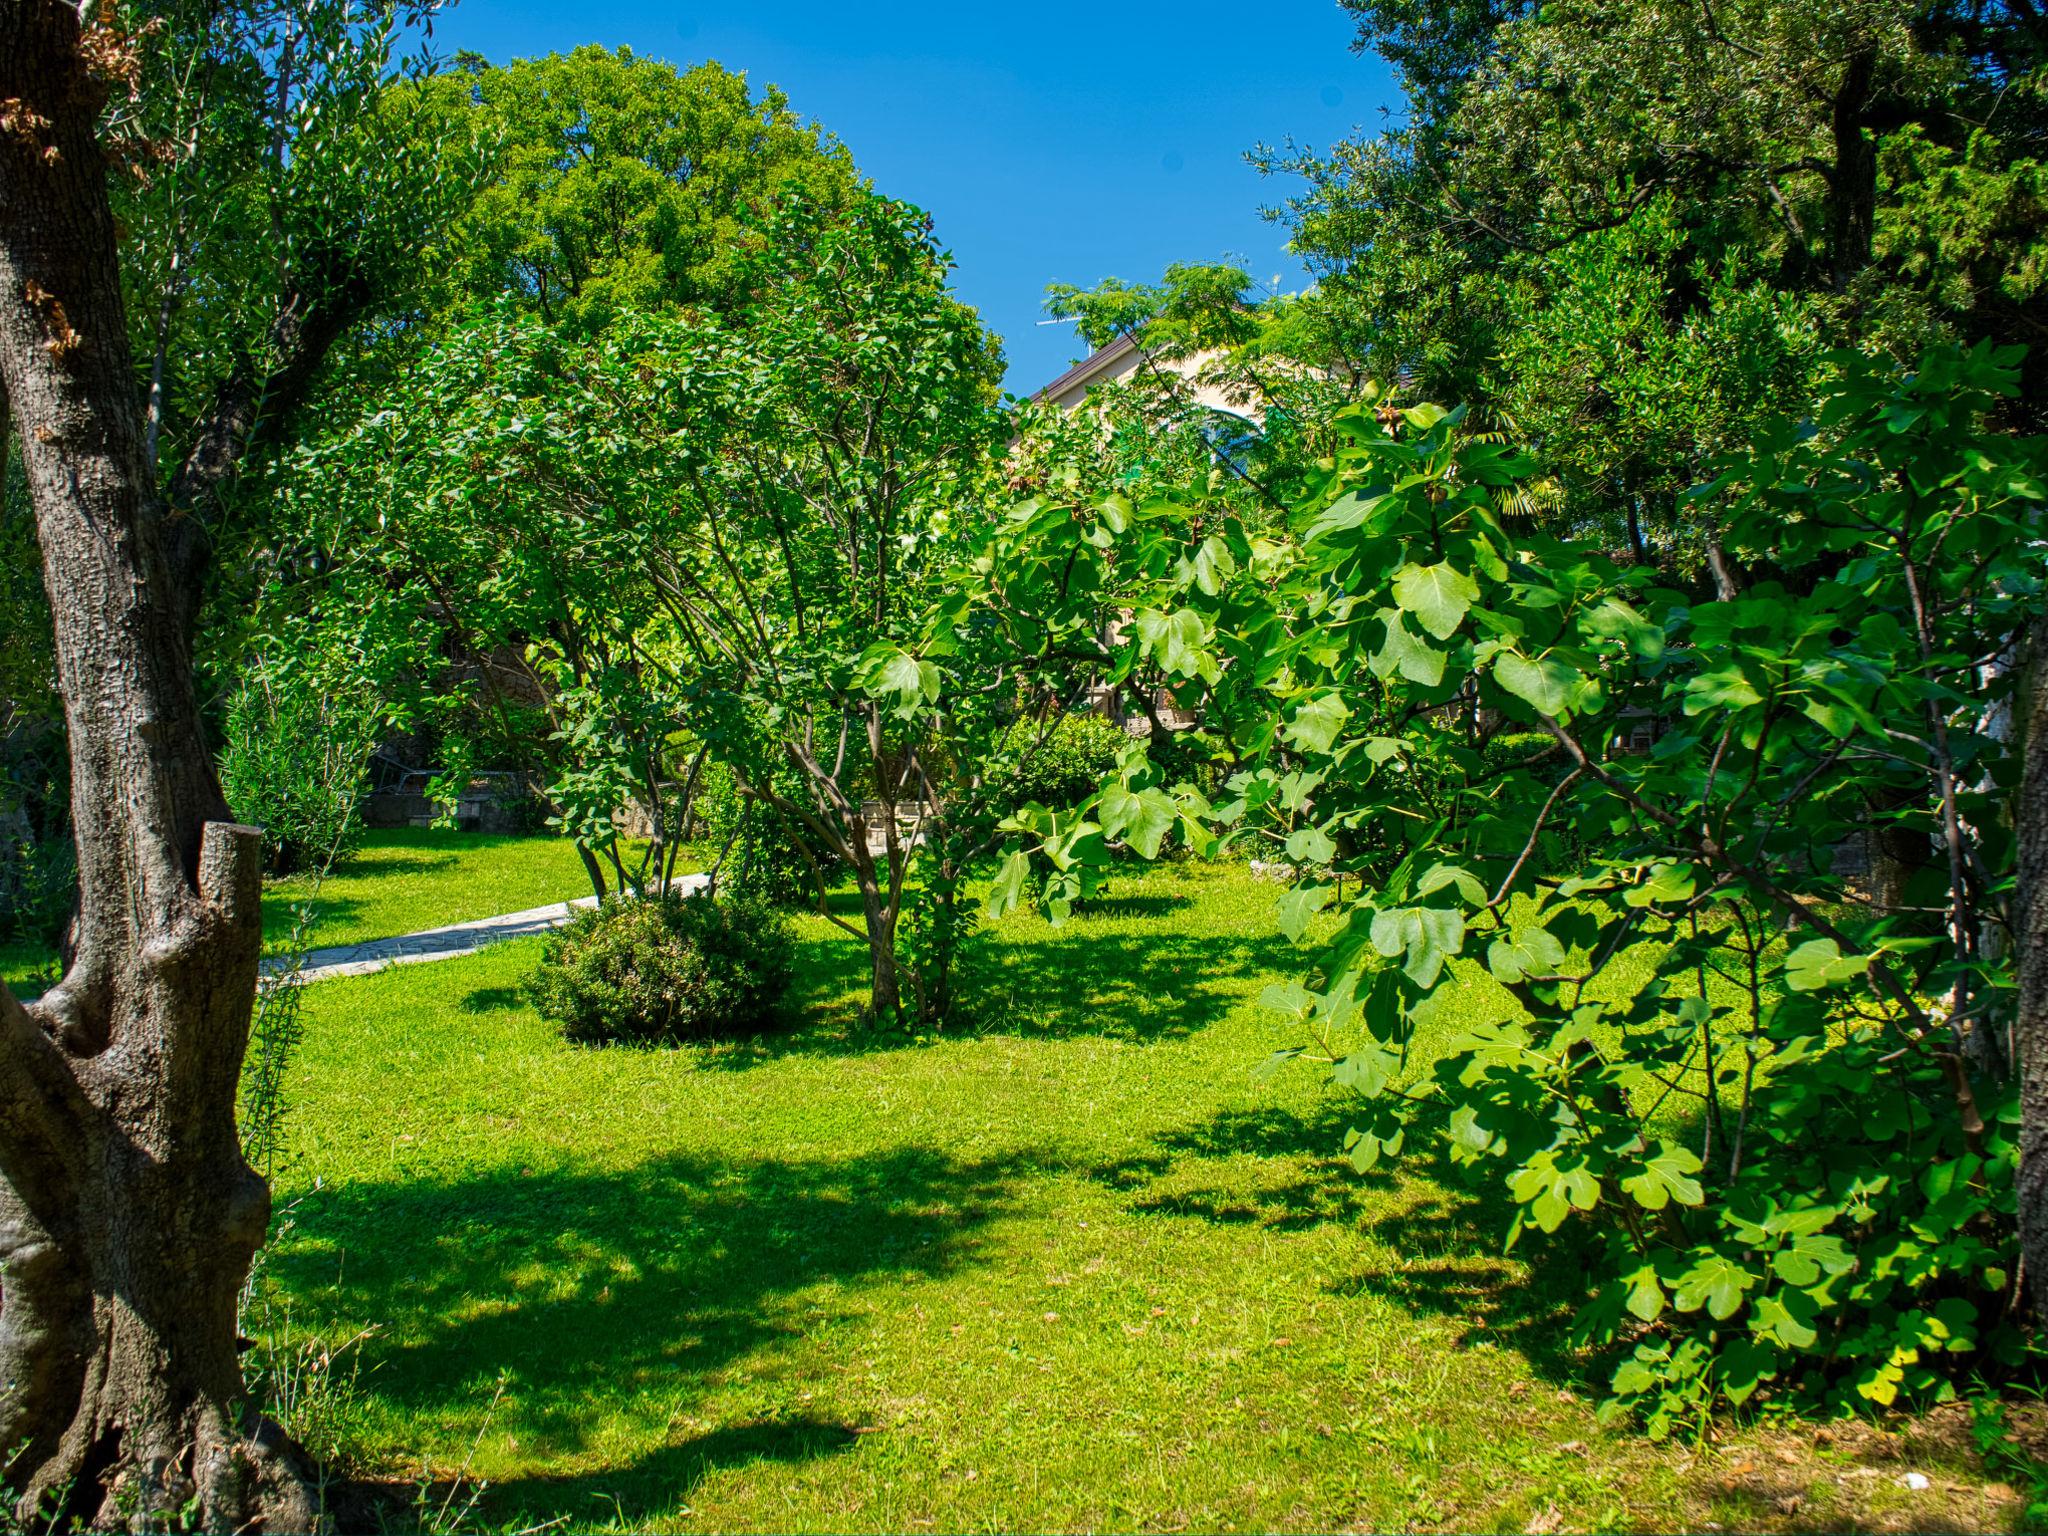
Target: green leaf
1006	891
1645	1293
1820	963
1530	950
1665	1178
1317	721
1141	820
1616	620
1552	1192
1437	876
1367	1070
885	669
1544	683
1298	903
1177	641
1787	1317
1716	1282
1212	565
1310	845
1367	1147
1288	997
1723	687
1346	512
1438	596
1744	1365
1666	882
1404	653
1427	936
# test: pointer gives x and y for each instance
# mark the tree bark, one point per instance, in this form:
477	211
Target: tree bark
1852	199
2030	929
312	317
880	912
128	1214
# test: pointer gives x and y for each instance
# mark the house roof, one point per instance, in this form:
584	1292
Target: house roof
1085	371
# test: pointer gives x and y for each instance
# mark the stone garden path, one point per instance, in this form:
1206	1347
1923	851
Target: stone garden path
443	943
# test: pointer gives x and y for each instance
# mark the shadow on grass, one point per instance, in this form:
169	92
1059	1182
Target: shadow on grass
602	1293
661	1480
491	999
1100	974
1441	1228
1291	1179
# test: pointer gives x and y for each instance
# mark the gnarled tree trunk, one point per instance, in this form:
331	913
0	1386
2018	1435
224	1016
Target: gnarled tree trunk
128	1215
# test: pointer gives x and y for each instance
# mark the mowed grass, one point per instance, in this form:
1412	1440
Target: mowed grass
406	880
398	882
1073	1269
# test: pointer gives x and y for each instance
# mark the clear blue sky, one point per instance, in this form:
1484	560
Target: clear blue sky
1062	143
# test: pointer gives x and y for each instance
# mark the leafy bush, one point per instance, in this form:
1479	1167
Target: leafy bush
294	762
38	885
761	858
1067	767
1782	1117
666	968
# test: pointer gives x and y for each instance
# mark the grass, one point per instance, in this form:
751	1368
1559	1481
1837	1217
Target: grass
397	882
1073	1269
403	881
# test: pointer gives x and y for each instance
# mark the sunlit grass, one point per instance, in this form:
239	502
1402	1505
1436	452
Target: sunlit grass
403	881
1071	1268
397	882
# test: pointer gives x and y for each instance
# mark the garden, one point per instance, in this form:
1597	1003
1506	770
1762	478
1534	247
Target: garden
634	896
1073	1267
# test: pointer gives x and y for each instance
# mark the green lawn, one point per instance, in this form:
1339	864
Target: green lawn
1073	1269
398	882
403	881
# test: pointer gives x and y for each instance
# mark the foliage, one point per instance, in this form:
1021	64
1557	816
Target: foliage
692	538
294	759
2012	1461
751	843
1780	1108
663	969
621	184
1067	766
1629	234
280	187
38	884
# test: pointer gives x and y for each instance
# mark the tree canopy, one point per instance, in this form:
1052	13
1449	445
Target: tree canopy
622	183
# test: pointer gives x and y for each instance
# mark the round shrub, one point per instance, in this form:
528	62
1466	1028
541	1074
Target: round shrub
665	968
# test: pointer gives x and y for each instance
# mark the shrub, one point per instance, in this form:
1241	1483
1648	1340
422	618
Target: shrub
762	860
1067	767
38	866
38	884
294	762
666	968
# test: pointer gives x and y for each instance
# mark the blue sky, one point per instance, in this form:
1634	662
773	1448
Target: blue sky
1051	144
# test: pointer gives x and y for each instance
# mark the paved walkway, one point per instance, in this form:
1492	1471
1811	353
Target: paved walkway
444	943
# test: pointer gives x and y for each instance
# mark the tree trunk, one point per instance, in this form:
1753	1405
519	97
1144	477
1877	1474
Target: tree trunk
885	985
128	1215
1852	188
2030	928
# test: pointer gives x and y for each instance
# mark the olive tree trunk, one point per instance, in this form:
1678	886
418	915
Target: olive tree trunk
128	1214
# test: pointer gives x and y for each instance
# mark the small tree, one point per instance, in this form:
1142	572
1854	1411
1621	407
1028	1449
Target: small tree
1781	1110
696	534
